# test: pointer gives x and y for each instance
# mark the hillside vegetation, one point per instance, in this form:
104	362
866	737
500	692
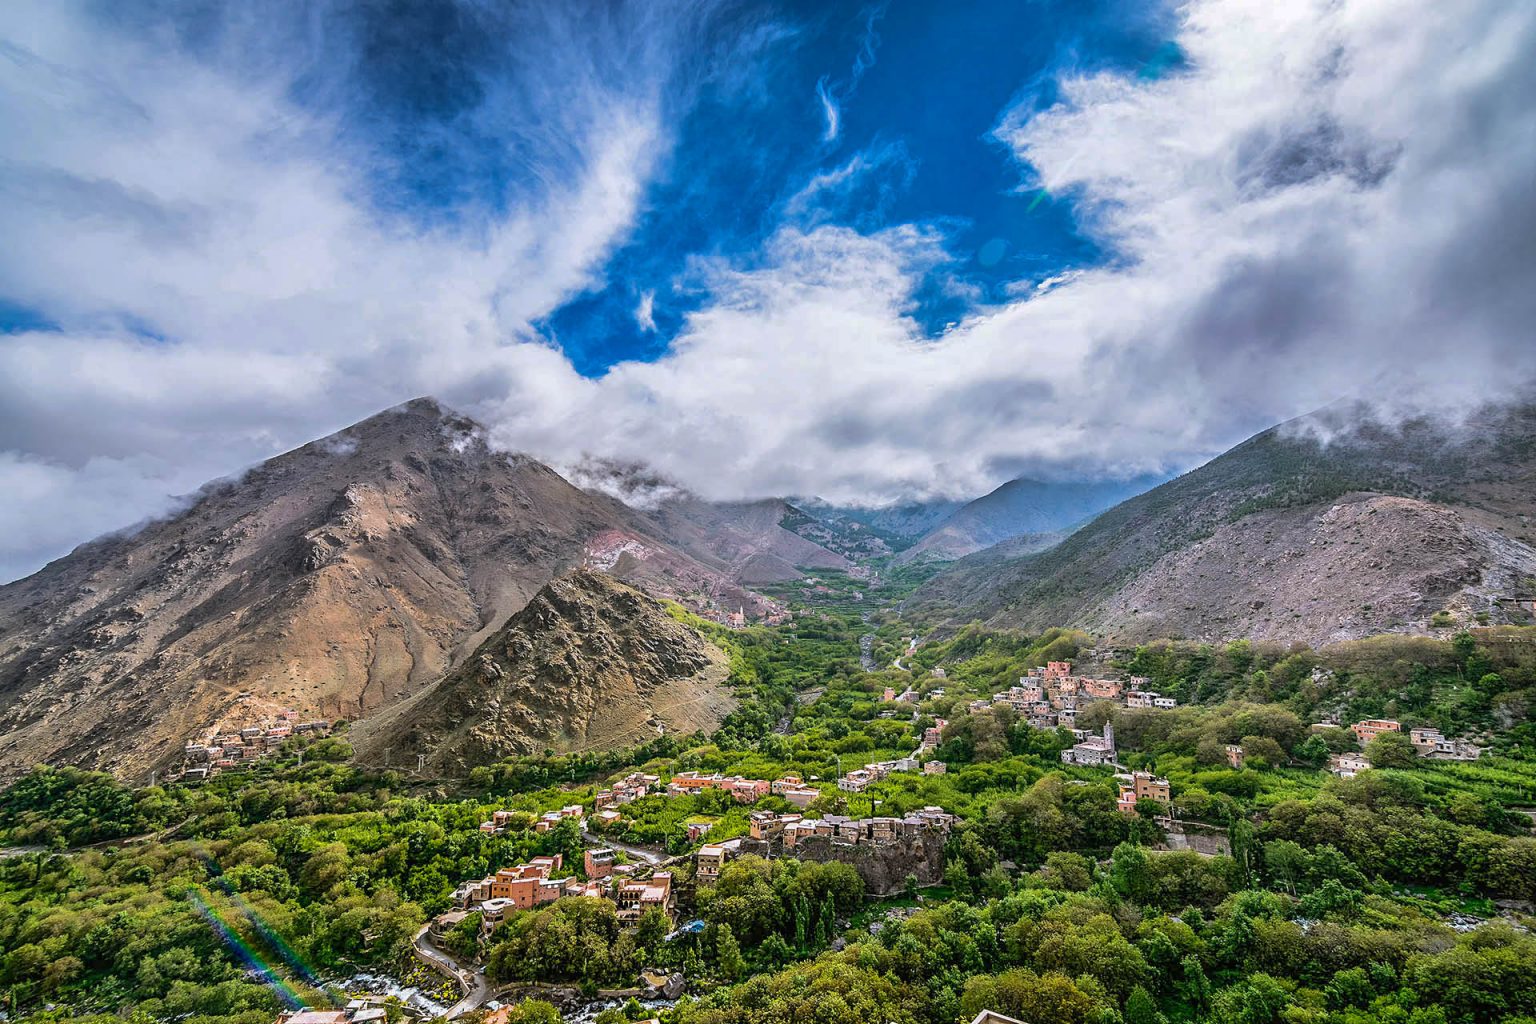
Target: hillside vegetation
1340	901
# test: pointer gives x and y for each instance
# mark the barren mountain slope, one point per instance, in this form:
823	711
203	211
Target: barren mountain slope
589	663
332	579
1323	528
746	537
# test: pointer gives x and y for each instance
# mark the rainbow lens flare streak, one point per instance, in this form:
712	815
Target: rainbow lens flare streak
244	952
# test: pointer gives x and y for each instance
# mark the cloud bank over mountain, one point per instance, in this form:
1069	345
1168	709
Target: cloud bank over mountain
226	237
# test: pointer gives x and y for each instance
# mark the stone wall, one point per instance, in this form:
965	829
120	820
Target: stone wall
884	868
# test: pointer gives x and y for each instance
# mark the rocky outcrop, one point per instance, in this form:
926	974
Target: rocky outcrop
589	663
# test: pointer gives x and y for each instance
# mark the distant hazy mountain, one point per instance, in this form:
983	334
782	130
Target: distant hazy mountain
889	527
756	541
1018	508
1328	527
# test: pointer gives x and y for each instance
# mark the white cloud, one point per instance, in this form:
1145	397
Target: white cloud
645	311
1334	198
1305	214
830	110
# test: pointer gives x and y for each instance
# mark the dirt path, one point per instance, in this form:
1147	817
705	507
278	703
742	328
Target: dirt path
471	979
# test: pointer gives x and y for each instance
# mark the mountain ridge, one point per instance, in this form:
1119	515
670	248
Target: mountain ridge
588	662
1177	559
332	579
1017	508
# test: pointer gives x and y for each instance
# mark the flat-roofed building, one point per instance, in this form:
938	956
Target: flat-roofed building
1369	728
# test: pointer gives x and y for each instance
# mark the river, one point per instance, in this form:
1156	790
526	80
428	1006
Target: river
867	652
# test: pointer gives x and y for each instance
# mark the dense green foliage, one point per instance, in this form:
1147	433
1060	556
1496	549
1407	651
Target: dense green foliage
1333	905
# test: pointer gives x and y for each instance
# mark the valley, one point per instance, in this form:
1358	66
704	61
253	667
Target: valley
875	779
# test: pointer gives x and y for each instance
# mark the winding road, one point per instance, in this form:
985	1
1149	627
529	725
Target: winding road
654	858
476	989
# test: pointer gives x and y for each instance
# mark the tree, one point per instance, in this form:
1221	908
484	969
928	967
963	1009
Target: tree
1261	751
1196	987
774	951
1256	1000
1350	987
652	928
1313	751
534	1011
829	918
728	959
1285	862
1390	750
1129	872
1141	1008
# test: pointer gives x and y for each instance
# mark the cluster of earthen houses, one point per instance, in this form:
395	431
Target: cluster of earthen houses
499	821
1051	696
743	790
792	832
218	750
860	779
636	785
358	1011
771	614
1428	742
533	884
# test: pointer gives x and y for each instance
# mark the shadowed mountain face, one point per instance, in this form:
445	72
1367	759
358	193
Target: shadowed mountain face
1019	508
1328	527
334	580
588	664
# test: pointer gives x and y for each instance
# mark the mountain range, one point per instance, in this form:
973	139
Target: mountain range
464	603
1043	511
334	580
1329	527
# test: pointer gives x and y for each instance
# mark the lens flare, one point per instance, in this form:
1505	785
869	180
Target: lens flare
244	952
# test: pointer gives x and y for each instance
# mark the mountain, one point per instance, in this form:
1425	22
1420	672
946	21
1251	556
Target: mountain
1331	526
755	541
868	532
588	664
749	539
333	580
1017	508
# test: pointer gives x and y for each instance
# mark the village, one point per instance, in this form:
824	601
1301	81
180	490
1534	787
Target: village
217	750
1427	742
1050	696
889	852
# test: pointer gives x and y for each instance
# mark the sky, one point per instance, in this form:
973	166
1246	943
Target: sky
867	252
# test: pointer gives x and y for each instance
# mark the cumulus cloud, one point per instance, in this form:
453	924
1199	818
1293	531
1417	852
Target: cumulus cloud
1328	199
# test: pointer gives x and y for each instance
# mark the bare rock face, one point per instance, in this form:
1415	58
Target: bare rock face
1367	564
589	663
334	580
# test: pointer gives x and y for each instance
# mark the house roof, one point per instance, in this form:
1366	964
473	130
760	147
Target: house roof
992	1017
